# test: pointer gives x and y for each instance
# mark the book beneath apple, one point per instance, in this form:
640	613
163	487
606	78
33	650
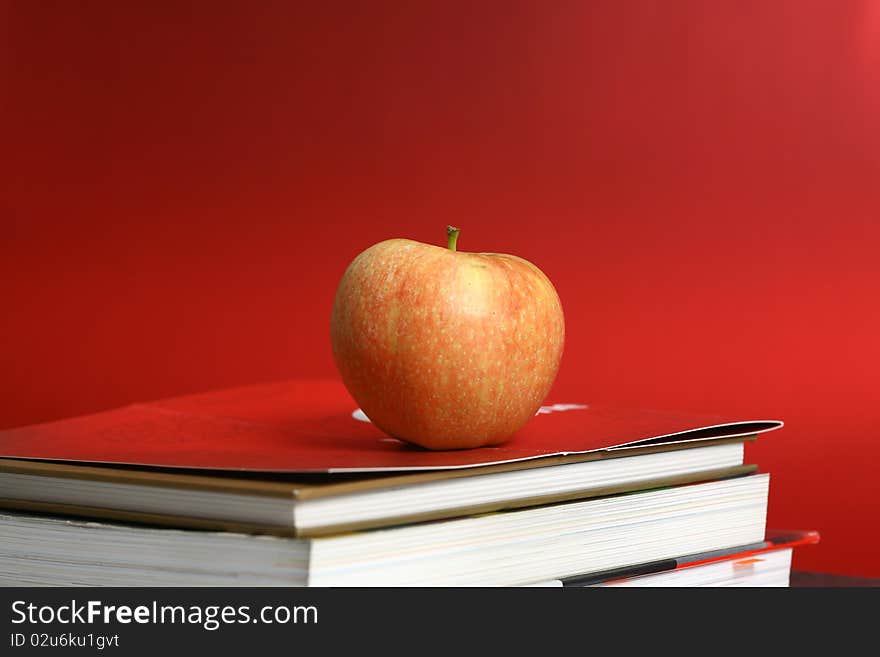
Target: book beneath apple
313	427
296	458
510	548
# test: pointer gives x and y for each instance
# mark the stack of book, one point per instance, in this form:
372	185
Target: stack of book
289	484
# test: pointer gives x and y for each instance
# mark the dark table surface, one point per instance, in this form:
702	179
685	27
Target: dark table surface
800	578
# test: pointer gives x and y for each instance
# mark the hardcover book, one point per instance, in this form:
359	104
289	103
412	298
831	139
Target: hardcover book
508	548
298	458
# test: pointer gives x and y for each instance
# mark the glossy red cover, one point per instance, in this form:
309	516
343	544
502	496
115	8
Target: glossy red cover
776	539
308	426
740	557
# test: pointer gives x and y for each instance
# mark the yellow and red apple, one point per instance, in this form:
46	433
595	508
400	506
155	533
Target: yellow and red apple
446	349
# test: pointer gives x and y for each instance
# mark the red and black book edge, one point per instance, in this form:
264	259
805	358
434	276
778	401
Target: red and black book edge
774	541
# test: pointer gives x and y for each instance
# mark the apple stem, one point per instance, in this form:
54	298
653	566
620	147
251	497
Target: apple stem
452	237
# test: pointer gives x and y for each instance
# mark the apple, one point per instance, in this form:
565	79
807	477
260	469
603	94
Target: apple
446	349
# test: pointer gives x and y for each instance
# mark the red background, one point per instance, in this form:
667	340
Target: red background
184	185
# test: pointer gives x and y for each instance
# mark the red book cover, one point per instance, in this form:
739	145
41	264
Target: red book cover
315	426
740	557
776	539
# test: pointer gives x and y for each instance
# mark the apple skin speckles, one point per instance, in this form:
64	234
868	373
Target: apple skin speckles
446	349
